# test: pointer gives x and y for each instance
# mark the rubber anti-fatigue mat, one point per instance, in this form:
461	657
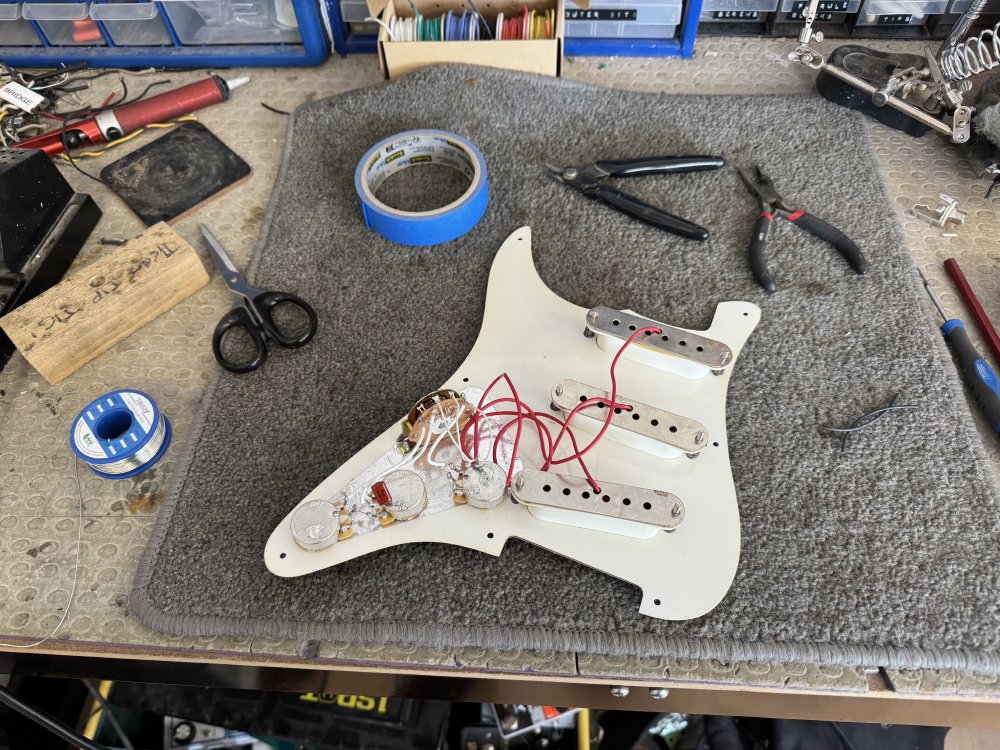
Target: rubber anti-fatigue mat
882	554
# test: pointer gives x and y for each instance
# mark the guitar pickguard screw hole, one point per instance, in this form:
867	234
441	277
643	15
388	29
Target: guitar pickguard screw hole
566	491
547	488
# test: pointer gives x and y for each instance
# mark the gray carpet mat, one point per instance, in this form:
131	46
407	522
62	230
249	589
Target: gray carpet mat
884	554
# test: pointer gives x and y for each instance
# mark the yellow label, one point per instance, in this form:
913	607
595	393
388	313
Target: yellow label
393	157
356	702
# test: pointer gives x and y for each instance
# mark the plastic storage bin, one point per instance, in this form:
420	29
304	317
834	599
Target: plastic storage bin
14	30
623	19
233	21
899	12
736	11
132	23
828	11
65	24
354	11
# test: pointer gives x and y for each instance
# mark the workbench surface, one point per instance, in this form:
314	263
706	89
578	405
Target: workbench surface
39	493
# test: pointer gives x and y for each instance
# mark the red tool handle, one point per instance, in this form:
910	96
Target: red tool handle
972	303
171	104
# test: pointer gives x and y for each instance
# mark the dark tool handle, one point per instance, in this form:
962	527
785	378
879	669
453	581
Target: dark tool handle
819	228
979	376
265	304
637	209
238	317
758	246
660	165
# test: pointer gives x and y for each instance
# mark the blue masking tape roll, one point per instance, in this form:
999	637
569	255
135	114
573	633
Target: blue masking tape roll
413	148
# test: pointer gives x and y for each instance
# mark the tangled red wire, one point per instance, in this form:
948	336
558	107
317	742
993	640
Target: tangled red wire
547	445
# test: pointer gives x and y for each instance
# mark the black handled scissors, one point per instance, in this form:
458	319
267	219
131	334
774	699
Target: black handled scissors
254	315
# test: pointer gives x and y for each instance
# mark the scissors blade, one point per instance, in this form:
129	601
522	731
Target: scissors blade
233	278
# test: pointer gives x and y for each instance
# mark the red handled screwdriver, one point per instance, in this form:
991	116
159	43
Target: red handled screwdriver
112	124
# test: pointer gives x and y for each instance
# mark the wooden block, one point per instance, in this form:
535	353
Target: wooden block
87	313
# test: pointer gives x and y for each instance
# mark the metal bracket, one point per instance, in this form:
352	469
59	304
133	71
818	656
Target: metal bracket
620	502
673	341
940	216
661	427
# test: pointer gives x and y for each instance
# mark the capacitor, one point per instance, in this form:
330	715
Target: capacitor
407	492
484	484
315	525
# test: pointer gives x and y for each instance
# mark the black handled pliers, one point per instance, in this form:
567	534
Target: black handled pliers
587	179
771	203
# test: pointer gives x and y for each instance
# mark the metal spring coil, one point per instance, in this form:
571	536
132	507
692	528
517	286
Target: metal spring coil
975	55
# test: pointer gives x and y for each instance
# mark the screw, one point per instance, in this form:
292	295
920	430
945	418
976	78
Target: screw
558	390
676	510
699	436
658	694
570	174
620	691
519	482
588	333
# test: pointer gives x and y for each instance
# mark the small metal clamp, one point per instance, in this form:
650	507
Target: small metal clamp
940	216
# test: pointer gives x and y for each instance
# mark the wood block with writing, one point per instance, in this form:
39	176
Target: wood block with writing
87	313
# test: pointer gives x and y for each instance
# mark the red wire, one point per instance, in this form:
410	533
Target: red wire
520	421
522	411
614	393
530	414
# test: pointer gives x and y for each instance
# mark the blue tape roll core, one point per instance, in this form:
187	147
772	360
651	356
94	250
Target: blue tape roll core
120	434
413	148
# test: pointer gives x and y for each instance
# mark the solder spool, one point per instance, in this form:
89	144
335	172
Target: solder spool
121	434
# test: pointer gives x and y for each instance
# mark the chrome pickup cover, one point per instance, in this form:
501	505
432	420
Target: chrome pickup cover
619	501
673	341
657	424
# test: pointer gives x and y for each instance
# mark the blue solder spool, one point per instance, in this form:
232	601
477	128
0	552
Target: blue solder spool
121	434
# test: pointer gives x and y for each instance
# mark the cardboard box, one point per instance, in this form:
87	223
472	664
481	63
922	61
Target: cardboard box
530	55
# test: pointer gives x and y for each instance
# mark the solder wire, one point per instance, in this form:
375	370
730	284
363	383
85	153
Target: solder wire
140	457
76	570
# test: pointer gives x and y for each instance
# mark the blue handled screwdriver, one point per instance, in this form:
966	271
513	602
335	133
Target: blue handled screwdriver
979	376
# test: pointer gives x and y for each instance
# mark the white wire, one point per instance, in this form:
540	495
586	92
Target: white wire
384	25
411	458
76	572
446	432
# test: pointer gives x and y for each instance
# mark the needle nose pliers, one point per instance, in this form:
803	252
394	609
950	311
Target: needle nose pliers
771	204
587	179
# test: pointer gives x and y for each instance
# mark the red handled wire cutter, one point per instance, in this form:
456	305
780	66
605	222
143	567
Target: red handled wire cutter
771	204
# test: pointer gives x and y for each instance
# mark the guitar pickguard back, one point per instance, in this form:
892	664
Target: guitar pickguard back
666	519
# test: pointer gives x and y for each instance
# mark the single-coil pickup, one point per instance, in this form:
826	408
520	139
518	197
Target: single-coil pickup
618	501
653	427
673	341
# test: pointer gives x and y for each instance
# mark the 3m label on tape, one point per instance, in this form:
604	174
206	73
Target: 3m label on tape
20	96
422	228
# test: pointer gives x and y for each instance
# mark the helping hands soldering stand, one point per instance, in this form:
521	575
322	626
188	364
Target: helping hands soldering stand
928	90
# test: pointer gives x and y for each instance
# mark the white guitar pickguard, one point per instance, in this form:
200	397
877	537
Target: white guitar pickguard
537	338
